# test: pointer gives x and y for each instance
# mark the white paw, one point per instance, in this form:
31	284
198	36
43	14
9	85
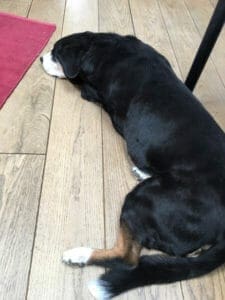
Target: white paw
140	175
77	256
99	290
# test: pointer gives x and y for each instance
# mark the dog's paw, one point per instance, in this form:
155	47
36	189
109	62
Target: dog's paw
77	256
99	290
140	175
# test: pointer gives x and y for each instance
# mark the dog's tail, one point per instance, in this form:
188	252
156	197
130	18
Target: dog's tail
157	269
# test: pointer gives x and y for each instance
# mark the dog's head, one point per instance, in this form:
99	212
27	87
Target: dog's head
64	60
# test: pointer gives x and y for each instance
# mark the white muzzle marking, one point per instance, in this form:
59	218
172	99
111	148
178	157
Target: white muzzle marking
51	67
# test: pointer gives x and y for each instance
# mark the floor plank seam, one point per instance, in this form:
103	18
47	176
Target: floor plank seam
35	230
103	173
131	16
28	11
181	288
103	184
40	195
171	43
98	17
43	173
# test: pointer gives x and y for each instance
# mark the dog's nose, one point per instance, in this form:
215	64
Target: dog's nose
41	59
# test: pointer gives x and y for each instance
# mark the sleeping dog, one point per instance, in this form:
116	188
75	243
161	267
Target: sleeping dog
179	155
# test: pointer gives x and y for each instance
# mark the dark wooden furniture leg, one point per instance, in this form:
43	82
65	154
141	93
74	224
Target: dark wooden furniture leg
209	40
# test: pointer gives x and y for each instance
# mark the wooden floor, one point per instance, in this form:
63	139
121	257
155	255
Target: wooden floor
64	171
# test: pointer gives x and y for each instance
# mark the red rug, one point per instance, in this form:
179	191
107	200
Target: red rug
21	41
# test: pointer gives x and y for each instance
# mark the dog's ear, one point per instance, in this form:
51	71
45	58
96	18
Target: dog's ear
69	62
72	64
70	69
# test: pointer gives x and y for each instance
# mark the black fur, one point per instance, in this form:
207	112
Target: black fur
168	134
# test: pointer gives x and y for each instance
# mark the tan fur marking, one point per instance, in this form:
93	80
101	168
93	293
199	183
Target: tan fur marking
125	248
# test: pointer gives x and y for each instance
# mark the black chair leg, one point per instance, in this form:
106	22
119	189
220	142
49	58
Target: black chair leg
209	40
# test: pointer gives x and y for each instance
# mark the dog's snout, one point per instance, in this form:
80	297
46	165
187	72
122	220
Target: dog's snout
51	66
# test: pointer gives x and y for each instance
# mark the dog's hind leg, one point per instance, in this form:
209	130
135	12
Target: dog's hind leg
126	251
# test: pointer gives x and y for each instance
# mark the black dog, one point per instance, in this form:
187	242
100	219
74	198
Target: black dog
169	134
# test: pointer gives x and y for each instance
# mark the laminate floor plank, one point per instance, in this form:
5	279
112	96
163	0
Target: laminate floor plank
20	184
